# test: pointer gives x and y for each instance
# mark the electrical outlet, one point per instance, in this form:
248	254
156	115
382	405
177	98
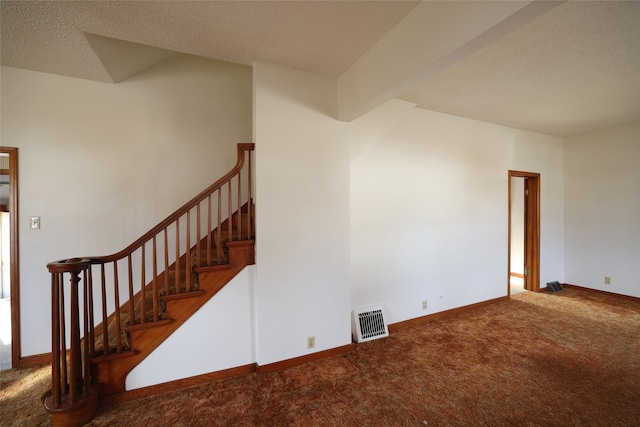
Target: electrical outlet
607	280
311	342
424	304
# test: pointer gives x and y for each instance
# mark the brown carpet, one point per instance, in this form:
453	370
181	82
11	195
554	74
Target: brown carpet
571	358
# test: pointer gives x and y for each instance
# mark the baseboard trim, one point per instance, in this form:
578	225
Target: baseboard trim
569	285
45	358
422	319
178	384
226	373
284	364
35	360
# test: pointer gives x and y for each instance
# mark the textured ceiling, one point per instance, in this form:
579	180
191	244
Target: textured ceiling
48	36
573	70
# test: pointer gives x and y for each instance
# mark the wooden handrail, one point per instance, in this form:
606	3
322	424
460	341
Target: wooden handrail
72	383
184	209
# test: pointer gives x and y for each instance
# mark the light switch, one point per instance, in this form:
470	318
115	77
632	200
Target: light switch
34	223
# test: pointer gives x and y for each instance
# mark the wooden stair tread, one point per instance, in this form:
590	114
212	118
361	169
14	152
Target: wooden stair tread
148	324
181	295
207	268
112	356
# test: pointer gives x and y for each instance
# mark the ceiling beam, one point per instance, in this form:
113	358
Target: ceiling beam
432	37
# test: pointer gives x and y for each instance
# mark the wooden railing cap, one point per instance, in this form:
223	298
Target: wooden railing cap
69	265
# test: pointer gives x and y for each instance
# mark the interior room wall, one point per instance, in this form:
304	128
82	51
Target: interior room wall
429	208
302	215
602	210
103	163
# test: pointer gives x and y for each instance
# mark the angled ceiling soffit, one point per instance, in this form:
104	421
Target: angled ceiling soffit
123	59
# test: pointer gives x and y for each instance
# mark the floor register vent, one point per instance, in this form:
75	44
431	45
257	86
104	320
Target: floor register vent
368	323
554	287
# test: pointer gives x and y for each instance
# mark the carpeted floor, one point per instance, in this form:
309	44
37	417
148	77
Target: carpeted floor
566	359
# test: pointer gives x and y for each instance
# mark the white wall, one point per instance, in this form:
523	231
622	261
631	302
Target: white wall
218	336
429	208
602	210
102	163
302	218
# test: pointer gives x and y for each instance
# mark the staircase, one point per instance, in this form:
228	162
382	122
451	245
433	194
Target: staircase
167	275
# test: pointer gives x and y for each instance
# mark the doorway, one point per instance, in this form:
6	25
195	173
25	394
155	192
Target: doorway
524	230
9	272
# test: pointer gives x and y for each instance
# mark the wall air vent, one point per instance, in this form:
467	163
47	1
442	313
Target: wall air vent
368	323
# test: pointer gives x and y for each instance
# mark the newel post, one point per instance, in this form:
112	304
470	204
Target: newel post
73	399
